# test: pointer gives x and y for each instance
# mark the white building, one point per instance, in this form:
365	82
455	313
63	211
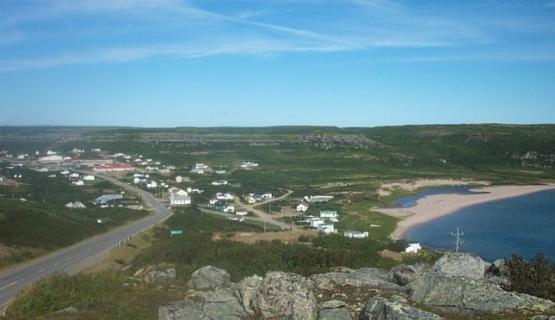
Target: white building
248	164
329	214
180	179
326	228
75	205
152	185
229	209
180	198
224	196
51	158
301	207
89	178
220	183
355	234
201	168
316	199
242	212
413	248
316	222
79	183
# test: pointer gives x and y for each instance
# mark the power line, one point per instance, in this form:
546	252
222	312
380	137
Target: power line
458	239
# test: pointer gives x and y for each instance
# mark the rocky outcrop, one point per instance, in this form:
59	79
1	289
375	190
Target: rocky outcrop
470	296
209	277
403	274
155	273
379	308
388	295
461	264
334	310
221	304
248	289
365	277
286	296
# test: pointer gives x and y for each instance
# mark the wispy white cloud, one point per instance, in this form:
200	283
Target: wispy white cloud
192	31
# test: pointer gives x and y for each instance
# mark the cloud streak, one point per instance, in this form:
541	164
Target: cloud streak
192	31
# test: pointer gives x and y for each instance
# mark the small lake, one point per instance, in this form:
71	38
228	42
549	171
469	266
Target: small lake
524	225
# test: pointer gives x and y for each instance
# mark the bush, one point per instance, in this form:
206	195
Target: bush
536	277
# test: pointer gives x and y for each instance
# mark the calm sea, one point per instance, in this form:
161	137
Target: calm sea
524	225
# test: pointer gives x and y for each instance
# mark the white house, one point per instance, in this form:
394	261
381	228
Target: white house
75	205
201	168
177	199
89	178
355	234
64	173
213	201
79	183
229	209
329	214
248	164
180	179
241	212
326	228
74	175
413	248
224	196
316	222
51	158
301	207
315	199
220	183
152	185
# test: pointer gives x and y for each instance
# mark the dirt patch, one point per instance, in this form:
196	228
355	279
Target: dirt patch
253	237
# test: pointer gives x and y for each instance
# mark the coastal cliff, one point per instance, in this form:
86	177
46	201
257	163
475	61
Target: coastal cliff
456	286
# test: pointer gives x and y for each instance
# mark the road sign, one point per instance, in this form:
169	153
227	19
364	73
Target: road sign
176	233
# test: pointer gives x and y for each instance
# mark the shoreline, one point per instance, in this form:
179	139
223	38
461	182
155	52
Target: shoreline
435	206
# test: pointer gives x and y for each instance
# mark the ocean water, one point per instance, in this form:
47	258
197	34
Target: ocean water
523	225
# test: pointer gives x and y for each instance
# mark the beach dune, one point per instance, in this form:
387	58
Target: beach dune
435	206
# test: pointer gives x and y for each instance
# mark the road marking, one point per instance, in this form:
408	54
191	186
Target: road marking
9	285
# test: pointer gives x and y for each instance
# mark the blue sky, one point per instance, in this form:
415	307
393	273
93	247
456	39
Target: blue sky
276	62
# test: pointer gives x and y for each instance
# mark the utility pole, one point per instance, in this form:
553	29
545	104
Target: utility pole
458	239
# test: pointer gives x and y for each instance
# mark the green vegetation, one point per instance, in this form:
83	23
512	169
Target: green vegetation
106	295
536	277
196	249
32	228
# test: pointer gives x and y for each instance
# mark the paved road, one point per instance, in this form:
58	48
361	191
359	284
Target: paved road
80	255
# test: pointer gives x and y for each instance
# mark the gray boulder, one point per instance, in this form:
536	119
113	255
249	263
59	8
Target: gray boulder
461	264
469	296
286	296
248	290
365	277
403	274
334	310
209	277
159	274
379	308
220	304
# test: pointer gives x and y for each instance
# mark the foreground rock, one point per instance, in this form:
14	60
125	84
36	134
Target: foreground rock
470	296
155	273
209	277
286	296
221	304
461	264
334	310
379	308
365	277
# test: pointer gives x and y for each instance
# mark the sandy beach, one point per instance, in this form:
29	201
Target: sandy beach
435	206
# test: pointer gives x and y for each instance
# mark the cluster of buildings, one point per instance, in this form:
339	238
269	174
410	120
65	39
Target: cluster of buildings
246	164
253	198
325	222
